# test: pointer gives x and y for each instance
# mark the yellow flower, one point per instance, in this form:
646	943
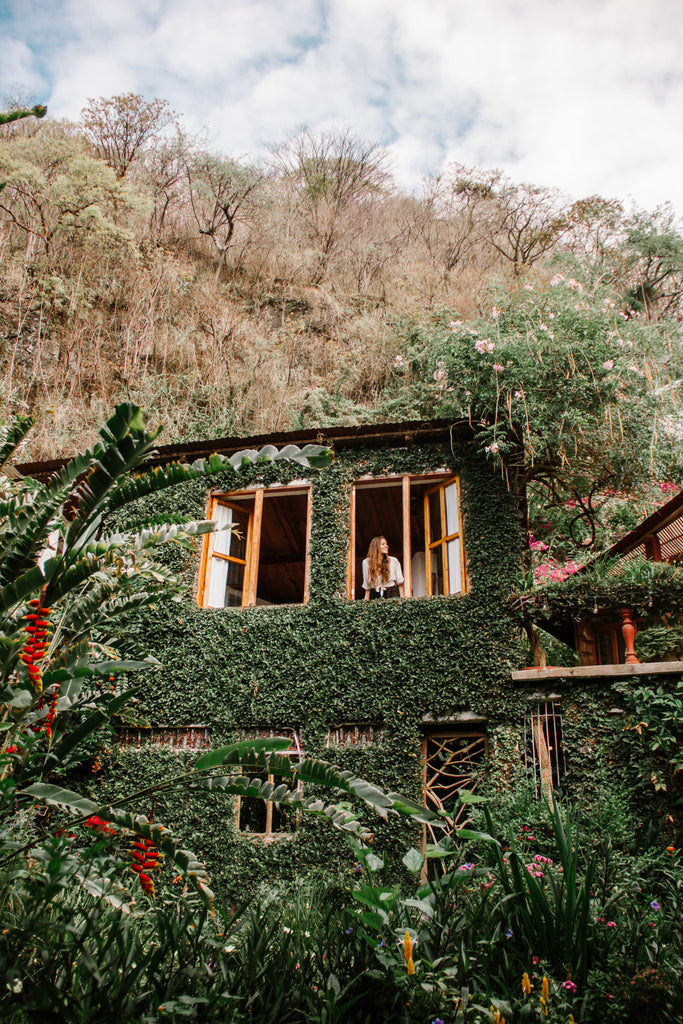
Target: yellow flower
544	1006
407	947
411	966
526	984
571	1019
497	1018
545	987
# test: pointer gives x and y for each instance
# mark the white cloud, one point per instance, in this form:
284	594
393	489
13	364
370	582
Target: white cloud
585	95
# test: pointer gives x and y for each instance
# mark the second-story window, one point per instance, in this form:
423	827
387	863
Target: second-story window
259	554
420	519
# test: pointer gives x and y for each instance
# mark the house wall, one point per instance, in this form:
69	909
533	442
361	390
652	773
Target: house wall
332	661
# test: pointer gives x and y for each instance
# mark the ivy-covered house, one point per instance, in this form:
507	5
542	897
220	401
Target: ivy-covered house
420	694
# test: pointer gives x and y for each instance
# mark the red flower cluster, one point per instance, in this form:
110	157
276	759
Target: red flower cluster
145	858
98	825
34	650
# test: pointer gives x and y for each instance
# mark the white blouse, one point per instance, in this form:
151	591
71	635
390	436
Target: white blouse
395	576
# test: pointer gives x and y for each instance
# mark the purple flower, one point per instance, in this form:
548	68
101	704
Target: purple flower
508	933
655	905
466	867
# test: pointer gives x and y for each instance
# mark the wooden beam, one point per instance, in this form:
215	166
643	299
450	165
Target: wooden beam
654	668
407	567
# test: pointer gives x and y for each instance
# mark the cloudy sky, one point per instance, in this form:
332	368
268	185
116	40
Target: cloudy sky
585	95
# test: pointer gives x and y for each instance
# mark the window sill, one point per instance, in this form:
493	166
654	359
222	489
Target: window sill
266	838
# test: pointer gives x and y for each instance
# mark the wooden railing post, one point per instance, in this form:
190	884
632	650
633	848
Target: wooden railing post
629	631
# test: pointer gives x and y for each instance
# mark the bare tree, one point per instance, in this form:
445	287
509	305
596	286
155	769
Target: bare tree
223	194
521	222
164	165
119	126
331	173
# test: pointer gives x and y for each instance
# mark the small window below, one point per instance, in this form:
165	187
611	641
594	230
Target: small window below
353	735
263	818
259	553
453	760
421	521
544	747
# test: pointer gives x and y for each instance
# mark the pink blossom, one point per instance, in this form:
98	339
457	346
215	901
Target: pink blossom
455	324
608	364
528	287
498	367
558	279
569	986
576	285
398	361
484	345
492	448
495	312
543	327
519	394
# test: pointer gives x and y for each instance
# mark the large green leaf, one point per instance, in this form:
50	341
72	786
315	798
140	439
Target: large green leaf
235	753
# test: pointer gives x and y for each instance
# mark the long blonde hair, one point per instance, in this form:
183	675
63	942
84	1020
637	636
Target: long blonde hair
378	563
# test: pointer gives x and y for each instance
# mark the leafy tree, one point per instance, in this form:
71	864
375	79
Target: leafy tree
55	191
566	375
119	126
655	248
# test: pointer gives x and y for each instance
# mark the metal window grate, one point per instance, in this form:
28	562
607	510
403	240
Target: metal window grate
544	747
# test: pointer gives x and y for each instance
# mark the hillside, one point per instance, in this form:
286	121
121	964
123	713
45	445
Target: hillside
226	298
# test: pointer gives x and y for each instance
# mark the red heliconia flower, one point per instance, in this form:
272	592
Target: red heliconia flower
35	649
146	858
98	825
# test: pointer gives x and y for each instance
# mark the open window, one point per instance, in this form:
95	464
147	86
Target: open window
544	747
420	518
259	553
452	760
263	818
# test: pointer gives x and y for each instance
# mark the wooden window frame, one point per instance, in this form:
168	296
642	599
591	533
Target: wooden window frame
440	482
253	540
296	751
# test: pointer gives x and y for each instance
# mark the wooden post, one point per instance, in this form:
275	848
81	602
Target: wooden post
629	631
351	575
255	547
407	568
307	570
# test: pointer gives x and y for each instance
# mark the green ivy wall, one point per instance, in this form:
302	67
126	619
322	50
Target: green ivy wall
334	661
